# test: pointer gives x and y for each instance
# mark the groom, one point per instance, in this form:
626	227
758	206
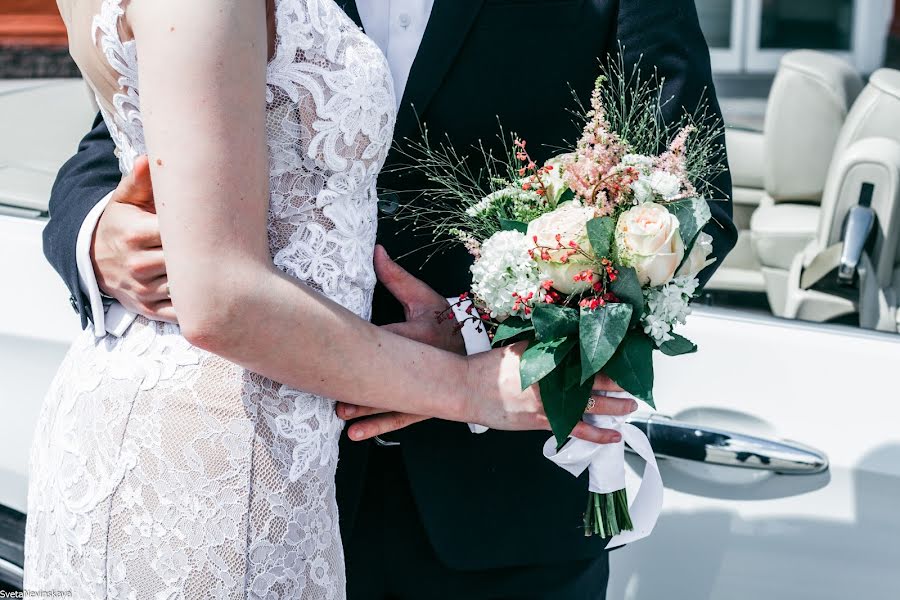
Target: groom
445	513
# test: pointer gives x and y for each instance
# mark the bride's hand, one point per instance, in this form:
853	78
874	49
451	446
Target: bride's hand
498	401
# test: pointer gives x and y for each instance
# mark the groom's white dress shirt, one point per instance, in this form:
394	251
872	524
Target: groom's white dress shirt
397	27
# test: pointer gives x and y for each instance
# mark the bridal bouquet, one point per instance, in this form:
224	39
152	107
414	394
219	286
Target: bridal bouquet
592	256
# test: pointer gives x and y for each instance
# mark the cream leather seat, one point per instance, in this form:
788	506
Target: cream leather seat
779	174
809	102
741	270
863	181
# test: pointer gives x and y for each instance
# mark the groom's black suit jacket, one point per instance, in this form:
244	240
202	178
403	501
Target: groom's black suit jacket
488	500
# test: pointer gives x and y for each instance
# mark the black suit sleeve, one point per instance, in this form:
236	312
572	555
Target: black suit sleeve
80	184
666	35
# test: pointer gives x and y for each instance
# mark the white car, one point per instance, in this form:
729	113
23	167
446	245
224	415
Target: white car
778	441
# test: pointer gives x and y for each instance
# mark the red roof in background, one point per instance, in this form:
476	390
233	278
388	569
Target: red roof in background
31	23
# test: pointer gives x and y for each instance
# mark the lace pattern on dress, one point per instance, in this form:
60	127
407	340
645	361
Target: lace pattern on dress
161	471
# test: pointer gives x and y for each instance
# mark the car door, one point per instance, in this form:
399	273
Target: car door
749	533
41	122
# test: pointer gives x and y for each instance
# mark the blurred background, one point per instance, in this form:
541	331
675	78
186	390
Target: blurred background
746	37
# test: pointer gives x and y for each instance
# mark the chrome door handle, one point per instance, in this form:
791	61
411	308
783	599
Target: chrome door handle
676	439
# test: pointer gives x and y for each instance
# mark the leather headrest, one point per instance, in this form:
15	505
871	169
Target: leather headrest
877	111
810	99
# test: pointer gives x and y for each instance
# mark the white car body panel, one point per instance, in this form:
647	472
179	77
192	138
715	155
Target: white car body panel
36	327
744	534
41	122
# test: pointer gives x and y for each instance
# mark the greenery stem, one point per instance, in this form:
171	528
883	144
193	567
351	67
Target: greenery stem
607	515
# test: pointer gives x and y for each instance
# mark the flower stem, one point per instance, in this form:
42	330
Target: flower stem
607	514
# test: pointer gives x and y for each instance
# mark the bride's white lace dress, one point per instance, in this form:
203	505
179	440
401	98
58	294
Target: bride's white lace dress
162	471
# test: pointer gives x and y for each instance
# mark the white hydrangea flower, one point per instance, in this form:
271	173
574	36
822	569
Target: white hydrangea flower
512	193
643	193
504	272
665	184
667	306
481	206
657	329
653	184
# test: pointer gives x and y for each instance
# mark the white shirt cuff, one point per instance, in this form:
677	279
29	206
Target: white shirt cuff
475	338
114	320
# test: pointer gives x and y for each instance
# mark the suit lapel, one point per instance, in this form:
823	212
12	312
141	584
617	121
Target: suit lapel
349	7
447	28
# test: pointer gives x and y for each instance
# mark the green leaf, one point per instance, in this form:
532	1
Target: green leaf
678	345
600	234
628	289
693	214
631	367
510	328
510	225
552	321
602	330
564	406
542	357
572	369
566	196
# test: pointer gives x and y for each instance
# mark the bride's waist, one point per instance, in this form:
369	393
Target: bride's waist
143	334
156	354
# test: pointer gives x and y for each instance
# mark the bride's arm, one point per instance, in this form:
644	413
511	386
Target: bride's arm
202	75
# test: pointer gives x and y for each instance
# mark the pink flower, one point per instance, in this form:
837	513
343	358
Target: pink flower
673	160
597	156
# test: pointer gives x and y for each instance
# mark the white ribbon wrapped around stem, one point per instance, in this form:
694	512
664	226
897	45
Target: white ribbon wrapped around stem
606	468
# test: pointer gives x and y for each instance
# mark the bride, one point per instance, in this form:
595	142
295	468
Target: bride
198	459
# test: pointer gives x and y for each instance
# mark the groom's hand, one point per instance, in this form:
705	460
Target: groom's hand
428	316
427	321
374	422
127	250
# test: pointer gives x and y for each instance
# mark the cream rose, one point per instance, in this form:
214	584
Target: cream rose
647	238
698	259
569	221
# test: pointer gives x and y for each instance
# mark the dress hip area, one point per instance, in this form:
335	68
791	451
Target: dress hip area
196	478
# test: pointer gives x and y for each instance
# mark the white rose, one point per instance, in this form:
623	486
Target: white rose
553	181
569	221
647	238
698	259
